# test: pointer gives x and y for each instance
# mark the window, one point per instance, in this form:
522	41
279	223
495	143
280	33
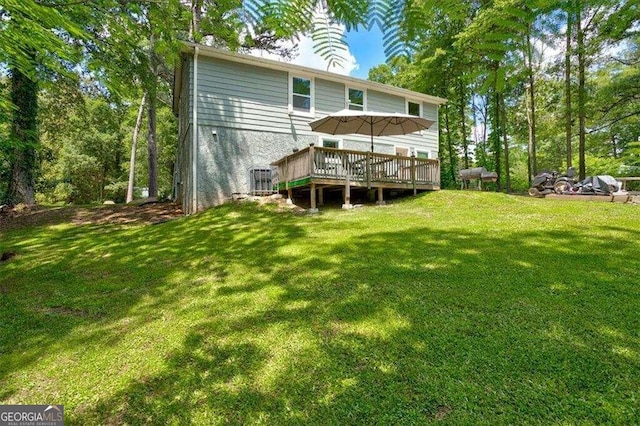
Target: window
400	150
412	151
355	99
331	143
301	96
413	108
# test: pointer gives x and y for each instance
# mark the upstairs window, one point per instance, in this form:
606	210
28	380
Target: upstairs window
355	99
413	108
301	96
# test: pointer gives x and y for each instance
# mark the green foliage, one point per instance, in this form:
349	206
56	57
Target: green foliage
85	150
329	41
468	52
23	139
605	165
487	309
34	34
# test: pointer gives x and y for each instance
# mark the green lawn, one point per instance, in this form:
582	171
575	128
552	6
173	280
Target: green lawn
460	307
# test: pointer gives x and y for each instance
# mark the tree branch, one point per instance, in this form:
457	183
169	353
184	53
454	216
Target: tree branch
611	123
77	2
625	62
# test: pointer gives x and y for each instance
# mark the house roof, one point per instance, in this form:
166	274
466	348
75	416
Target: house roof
211	52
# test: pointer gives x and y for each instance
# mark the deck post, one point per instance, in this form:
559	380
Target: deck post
321	196
286	180
311	158
380	201
314	208
347	195
413	173
368	170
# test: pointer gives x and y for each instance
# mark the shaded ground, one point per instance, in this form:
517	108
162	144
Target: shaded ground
21	217
460	307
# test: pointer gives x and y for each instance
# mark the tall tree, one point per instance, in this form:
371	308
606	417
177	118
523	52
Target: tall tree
34	40
24	139
134	147
531	103
568	123
582	131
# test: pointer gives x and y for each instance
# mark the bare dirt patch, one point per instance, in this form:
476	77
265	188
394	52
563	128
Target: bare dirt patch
150	213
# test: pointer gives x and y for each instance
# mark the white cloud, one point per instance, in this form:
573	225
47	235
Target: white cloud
308	58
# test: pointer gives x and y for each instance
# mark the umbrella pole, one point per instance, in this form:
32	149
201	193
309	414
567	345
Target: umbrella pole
371	135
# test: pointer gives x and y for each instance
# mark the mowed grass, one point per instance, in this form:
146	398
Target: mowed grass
454	307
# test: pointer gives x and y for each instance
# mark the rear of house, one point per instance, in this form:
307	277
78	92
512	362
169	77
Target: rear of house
240	114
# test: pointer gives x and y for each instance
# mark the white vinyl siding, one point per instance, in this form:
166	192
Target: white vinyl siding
248	97
329	97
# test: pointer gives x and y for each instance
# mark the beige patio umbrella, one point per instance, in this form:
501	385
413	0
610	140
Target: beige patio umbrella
369	123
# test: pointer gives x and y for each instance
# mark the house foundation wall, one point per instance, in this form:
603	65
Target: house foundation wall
226	155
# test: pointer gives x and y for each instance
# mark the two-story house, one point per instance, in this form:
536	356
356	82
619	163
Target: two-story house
242	117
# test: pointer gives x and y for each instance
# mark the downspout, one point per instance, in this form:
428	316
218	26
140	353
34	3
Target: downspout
194	136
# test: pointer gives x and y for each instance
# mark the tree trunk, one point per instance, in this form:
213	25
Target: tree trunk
196	16
452	167
496	127
531	113
134	148
485	120
152	148
495	139
581	96
152	90
463	124
505	140
567	86
24	135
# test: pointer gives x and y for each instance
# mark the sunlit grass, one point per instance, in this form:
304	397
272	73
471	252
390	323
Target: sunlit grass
458	306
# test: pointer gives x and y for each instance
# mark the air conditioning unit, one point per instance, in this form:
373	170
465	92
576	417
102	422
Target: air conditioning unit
261	180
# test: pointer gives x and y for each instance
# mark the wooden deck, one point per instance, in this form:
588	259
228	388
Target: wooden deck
318	168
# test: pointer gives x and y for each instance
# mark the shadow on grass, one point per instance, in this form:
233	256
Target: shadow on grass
377	327
64	279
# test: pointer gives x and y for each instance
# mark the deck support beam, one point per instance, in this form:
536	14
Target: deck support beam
321	196
347	195
380	201
314	207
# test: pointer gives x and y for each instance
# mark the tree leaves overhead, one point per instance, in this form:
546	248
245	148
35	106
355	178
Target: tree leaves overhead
291	18
49	33
329	40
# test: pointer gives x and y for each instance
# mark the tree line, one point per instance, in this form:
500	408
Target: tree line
531	84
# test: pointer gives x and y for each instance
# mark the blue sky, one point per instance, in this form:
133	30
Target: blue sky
365	51
366	47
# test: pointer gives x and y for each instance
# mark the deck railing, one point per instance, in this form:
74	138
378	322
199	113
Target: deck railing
341	165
